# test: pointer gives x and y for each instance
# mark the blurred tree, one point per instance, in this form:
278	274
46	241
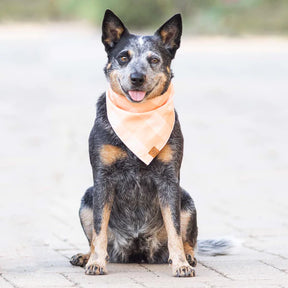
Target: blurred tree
136	13
209	17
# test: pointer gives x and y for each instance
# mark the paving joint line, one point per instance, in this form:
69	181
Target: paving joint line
270	265
215	270
75	284
138	282
149	270
8	281
266	252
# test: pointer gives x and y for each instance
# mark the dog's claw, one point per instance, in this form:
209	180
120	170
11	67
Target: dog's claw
185	271
94	269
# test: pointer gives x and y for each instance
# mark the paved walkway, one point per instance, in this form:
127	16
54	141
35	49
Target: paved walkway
231	95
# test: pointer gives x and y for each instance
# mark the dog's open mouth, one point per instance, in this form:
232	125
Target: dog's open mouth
137	96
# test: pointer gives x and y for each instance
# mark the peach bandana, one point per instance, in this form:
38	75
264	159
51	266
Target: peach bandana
144	127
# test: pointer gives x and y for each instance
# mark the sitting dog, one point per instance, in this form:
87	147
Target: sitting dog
136	210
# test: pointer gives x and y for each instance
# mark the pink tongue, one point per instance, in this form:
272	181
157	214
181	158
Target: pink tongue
137	95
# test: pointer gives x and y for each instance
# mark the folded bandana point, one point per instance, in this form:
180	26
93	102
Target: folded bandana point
143	127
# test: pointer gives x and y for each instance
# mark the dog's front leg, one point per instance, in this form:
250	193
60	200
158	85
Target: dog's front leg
102	204
169	196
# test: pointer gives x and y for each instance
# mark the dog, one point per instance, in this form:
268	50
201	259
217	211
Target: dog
135	212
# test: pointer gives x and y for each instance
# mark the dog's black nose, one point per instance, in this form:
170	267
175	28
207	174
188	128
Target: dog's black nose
137	79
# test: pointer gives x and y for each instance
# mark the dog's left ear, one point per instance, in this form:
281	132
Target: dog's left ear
112	30
170	34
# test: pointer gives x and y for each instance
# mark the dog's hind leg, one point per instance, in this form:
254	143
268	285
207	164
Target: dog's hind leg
189	230
86	219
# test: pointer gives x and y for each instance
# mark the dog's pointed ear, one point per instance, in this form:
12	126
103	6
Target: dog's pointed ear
112	30
170	34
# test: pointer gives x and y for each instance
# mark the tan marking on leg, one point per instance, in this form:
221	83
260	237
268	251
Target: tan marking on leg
166	154
86	216
109	154
189	253
154	244
168	69
98	258
180	266
188	249
159	240
175	244
162	235
108	66
185	218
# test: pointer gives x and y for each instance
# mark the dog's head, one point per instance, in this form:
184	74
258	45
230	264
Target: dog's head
139	66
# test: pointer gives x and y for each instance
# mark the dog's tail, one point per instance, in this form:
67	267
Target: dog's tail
220	246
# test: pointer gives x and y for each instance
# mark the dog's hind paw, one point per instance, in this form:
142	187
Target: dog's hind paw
95	269
79	259
185	271
191	260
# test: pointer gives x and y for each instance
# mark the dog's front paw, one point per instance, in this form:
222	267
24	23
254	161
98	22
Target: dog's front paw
191	260
79	259
184	271
95	269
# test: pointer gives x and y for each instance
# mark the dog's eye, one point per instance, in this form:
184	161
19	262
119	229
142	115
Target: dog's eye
154	60
123	59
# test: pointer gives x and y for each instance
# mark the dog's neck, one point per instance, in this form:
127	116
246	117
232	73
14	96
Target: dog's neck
146	106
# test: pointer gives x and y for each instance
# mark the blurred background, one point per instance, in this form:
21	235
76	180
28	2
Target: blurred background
231	75
229	17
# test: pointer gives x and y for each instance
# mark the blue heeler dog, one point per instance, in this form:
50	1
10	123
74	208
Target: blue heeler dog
136	212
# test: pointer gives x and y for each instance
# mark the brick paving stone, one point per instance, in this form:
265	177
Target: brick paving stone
36	279
231	97
4	283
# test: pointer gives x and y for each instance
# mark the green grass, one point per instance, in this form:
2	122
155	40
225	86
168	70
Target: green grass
229	17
